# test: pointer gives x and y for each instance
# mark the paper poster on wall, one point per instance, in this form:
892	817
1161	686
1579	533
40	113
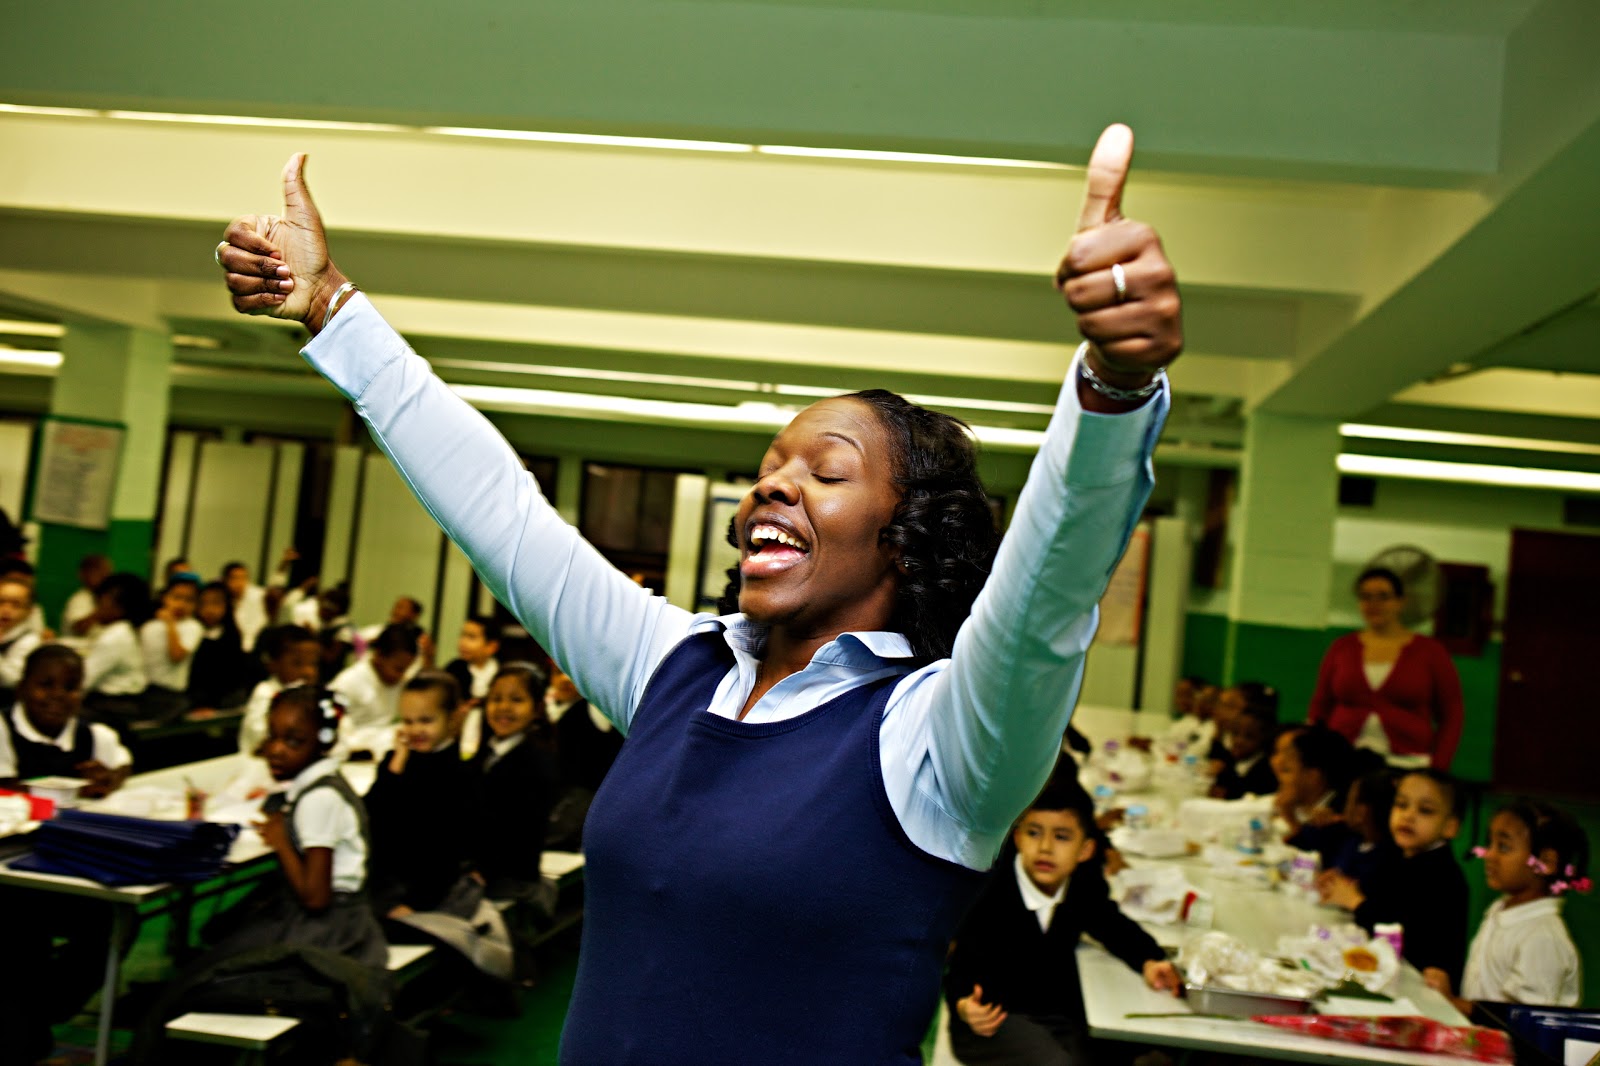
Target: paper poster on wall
77	472
1122	607
717	555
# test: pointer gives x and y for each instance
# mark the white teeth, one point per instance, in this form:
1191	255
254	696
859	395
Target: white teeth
769	534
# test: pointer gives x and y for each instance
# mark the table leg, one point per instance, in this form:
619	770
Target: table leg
120	913
179	916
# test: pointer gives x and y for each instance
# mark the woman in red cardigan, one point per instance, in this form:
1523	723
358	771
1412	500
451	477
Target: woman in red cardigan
1388	689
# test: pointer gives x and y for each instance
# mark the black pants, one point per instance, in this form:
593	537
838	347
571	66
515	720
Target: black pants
1024	1040
41	982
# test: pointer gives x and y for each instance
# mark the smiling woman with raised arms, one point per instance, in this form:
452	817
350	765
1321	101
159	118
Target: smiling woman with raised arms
813	783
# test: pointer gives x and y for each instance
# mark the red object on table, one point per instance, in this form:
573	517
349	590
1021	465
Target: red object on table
1404	1033
40	810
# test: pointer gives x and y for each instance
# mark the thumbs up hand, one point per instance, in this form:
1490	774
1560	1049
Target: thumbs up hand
278	265
1116	276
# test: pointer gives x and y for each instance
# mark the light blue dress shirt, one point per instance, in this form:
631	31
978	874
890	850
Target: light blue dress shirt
966	742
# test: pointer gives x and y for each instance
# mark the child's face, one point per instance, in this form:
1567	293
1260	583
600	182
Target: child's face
16	601
94	571
237	579
423	723
213	607
1248	738
50	693
1505	863
391	666
1052	844
1183	697
328	608
179	601
562	688
1357	815
1205	701
1303	785
107	608
297	664
510	708
1229	703
291	743
472	646
1280	748
403	612
1421	817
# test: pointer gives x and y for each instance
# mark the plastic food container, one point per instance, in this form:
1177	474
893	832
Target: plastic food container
1214	999
62	791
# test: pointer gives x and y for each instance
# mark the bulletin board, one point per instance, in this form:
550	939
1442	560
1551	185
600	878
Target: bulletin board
75	473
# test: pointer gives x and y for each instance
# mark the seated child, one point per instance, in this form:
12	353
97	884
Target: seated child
1313	770
18	635
1012	983
1523	952
516	784
42	735
420	803
1368	847
1424	890
222	672
1186	725
586	746
475	665
78	622
1250	773
169	641
113	667
370	689
320	837
291	653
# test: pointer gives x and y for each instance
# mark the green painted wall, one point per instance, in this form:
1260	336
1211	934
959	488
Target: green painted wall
1288	659
127	541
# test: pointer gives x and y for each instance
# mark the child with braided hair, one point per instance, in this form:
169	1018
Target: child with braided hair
1523	953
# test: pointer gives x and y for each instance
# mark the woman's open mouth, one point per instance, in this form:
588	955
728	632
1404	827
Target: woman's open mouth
772	550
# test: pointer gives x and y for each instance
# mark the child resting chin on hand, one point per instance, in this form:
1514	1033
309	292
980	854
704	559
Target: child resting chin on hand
1012	984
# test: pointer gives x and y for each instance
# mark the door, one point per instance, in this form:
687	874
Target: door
1545	733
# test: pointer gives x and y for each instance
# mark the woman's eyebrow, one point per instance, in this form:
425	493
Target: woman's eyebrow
846	438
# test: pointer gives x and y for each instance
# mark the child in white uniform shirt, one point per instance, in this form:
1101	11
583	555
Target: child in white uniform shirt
42	734
18	635
292	654
1523	952
77	617
169	641
113	668
370	690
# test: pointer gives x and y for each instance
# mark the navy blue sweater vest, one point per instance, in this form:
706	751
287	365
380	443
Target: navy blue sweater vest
47	760
750	895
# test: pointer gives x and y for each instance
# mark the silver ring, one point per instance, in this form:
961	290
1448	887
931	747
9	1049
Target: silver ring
1119	281
216	253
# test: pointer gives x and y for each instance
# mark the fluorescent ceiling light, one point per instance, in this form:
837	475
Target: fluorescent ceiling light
1475	440
1470	473
26	357
18	328
540	136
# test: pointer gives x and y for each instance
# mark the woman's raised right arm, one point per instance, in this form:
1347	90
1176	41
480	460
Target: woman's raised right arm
607	632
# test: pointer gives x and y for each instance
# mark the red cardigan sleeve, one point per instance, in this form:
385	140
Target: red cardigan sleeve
1447	708
1322	700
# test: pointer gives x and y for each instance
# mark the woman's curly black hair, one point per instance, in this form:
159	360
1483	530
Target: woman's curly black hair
942	526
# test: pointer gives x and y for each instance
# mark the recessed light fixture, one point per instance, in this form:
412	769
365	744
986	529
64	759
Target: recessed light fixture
1469	440
1470	473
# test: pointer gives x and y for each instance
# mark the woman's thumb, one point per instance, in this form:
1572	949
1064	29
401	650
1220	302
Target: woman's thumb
977	993
297	203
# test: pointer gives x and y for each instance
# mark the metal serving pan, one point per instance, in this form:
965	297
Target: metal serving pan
1214	999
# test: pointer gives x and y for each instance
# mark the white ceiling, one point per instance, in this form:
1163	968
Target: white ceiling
1361	197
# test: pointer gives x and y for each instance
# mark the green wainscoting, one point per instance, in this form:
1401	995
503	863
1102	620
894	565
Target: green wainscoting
127	542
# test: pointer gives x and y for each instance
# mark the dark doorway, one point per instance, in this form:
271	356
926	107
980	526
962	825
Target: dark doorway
1545	731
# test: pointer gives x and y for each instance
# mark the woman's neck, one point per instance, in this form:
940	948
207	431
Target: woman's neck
1388	631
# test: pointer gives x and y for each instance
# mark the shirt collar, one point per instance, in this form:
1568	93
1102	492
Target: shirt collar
865	648
1524	912
1032	897
311	774
24	728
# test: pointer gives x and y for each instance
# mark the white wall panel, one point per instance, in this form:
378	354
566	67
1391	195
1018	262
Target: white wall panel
344	493
397	547
233	486
16	453
285	505
177	494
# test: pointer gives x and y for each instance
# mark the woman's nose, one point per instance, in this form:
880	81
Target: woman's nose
778	486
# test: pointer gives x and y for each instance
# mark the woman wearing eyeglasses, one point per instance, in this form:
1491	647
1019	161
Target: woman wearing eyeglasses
1387	689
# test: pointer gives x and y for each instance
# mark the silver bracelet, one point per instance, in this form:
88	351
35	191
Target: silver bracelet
1111	392
333	304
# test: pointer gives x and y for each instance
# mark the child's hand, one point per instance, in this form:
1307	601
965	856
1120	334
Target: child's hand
1113	862
400	753
274	831
400	910
1110	819
1339	890
1162	976
1140	744
982	1018
1437	980
1324	816
102	781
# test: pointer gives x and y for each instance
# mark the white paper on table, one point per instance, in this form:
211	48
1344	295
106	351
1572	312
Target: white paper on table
1579	1052
1356	1006
1151	893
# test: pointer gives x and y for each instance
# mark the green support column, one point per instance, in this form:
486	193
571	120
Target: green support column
111	374
1283	555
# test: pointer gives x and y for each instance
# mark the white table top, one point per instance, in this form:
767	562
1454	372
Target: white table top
1258	916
